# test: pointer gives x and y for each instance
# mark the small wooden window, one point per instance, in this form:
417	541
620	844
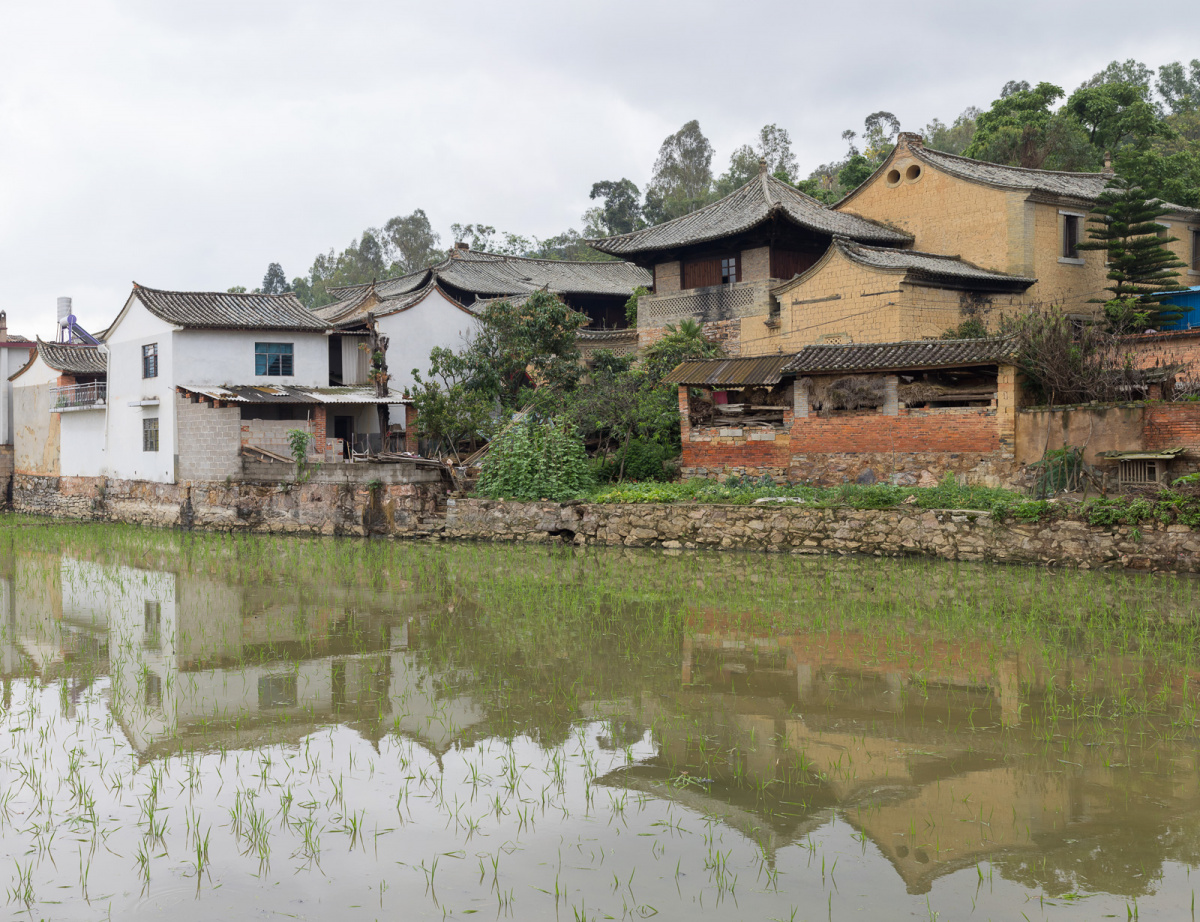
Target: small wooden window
1196	250
150	434
730	269
1070	240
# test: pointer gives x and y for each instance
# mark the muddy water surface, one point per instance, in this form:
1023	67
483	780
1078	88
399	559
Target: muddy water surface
216	727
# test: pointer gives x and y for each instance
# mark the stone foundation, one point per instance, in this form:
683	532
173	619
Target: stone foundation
313	508
6	474
926	468
951	534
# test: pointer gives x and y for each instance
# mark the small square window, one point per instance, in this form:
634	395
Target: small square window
729	270
150	360
1070	239
273	359
150	434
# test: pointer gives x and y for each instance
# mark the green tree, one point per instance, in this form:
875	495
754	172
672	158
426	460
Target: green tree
682	179
412	241
953	139
1115	114
1179	86
1140	267
236	289
631	305
620	211
856	171
275	281
1018	128
447	409
524	346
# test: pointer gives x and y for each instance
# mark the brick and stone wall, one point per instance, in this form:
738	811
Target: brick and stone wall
6	473
951	534
1170	348
318	507
893	443
1098	429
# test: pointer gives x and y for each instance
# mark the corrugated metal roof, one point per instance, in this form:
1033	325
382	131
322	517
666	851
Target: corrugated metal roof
739	372
934	353
288	394
226	310
745	208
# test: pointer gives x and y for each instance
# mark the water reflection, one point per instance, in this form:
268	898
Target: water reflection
1065	771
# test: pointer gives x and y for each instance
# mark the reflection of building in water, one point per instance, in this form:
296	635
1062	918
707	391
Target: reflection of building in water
199	663
932	750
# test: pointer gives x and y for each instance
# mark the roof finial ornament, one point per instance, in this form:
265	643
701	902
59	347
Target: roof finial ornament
1108	167
762	167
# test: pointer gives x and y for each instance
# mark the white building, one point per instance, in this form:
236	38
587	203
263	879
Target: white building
183	385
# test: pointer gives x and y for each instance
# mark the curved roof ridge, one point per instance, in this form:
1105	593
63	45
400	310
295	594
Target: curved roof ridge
73	358
1074	174
746	207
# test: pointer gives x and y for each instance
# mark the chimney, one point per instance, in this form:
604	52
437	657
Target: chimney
1108	167
3	326
762	167
910	139
460	247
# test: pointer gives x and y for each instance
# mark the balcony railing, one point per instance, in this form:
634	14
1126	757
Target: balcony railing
718	302
79	396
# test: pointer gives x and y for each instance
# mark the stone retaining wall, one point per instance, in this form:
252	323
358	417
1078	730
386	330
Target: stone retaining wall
952	534
309	508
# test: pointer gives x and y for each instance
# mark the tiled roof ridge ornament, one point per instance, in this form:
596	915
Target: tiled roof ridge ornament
911	138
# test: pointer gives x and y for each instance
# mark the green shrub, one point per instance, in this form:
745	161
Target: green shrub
536	459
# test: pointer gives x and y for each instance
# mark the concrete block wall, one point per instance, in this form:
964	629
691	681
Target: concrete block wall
209	440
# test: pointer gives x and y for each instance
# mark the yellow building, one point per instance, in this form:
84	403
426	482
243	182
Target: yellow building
929	241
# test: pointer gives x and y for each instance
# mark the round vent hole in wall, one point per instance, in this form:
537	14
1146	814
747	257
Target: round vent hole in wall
893	177
913	173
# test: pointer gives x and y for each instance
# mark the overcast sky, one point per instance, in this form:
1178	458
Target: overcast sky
188	144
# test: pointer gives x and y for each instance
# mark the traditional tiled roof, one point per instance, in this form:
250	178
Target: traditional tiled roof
743	209
1070	185
487	275
225	310
593	337
288	394
933	353
766	369
353	311
72	358
346	309
921	268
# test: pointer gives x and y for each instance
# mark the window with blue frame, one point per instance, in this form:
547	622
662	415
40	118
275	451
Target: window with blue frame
273	359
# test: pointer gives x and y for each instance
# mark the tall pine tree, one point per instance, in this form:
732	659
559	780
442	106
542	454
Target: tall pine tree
1140	267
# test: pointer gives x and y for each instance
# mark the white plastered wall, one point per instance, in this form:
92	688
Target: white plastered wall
214	357
124	457
413	333
81	443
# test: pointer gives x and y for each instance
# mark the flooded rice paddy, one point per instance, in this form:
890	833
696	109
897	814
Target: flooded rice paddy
243	727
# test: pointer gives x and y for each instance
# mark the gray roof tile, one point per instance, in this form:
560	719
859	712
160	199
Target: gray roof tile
1070	185
931	268
933	353
488	275
224	310
72	358
745	208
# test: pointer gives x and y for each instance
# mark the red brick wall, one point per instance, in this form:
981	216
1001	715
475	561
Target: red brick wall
1172	425
1182	348
912	430
951	430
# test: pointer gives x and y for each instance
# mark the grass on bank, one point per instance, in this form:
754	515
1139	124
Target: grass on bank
1167	507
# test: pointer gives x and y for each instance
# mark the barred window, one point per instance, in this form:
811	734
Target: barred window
150	434
150	361
273	359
